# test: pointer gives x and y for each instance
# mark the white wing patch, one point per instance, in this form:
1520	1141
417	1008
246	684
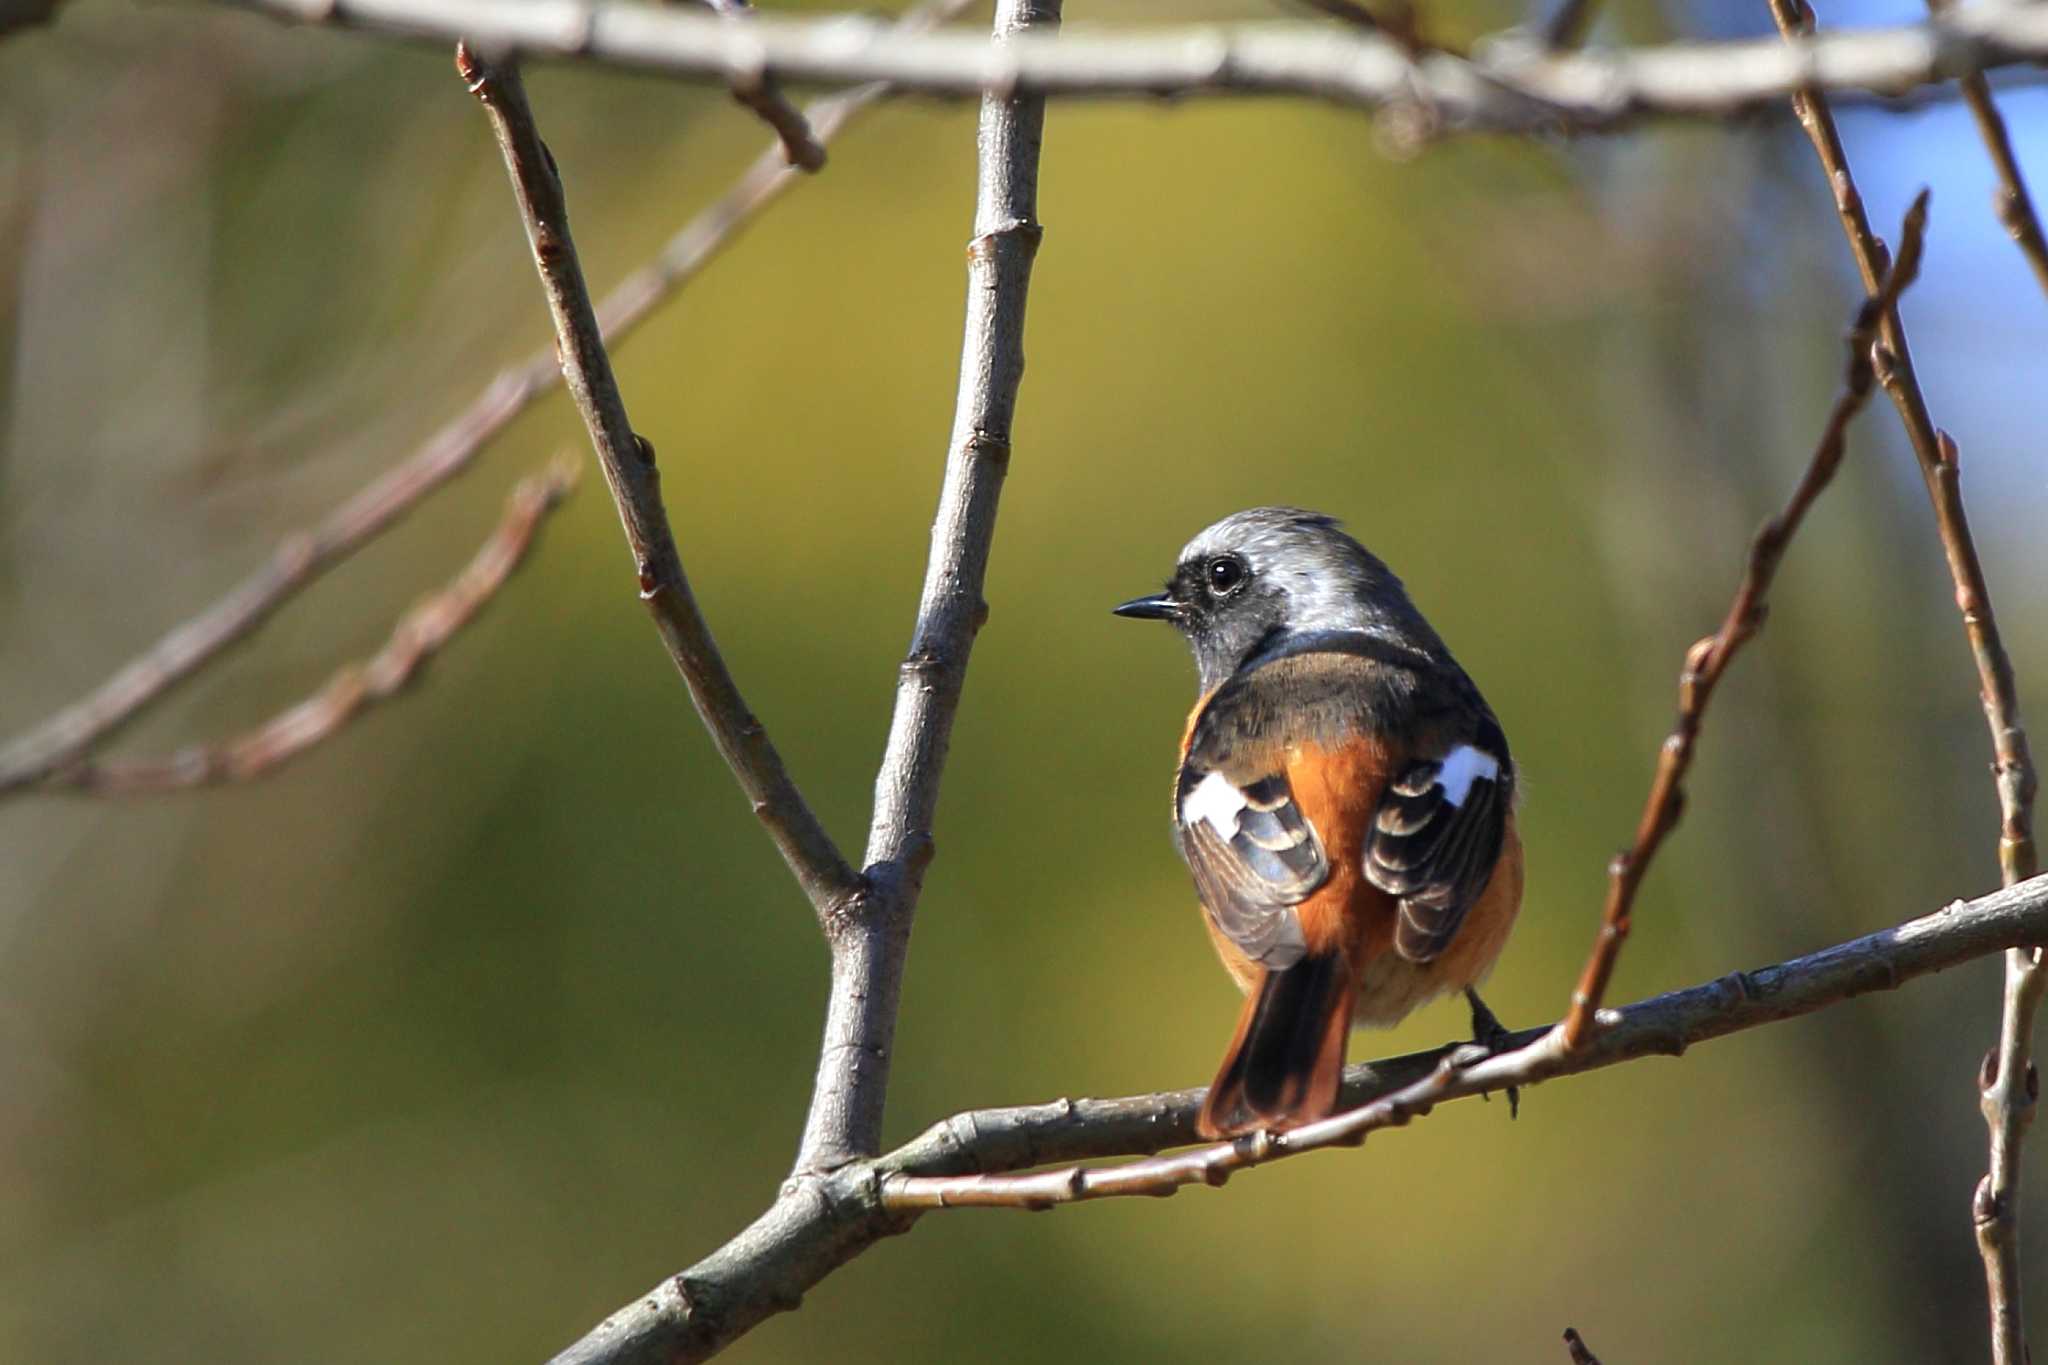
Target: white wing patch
1217	800
1462	767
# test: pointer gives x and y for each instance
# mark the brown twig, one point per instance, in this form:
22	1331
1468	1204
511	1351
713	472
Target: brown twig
822	1225
628	462
762	93
1708	658
420	634
301	558
2013	205
1506	87
2008	1084
1581	1353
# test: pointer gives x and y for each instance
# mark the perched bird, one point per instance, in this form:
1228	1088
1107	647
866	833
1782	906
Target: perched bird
1345	801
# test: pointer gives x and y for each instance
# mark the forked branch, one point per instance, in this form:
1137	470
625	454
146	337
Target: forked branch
28	760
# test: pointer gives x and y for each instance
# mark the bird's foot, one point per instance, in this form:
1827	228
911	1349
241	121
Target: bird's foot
1489	1033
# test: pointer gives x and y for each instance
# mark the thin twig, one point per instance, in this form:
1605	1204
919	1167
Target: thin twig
2013	205
1708	658
1581	1353
2008	1087
303	557
629	468
1508	87
762	93
419	636
869	944
816	1227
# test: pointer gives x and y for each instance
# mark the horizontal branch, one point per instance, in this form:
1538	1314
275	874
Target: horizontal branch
420	634
1508	85
1664	1026
815	1227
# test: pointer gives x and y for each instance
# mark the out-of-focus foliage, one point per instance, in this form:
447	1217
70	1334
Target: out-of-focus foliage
452	1036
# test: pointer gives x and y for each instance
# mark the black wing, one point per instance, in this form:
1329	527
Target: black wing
1435	838
1254	855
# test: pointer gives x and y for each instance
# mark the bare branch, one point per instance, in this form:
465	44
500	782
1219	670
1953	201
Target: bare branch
817	1226
418	637
629	469
303	557
1666	1025
869	945
2008	1085
1508	87
1708	659
1581	1353
2013	205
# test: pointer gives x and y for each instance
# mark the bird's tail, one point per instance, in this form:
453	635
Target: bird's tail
1284	1065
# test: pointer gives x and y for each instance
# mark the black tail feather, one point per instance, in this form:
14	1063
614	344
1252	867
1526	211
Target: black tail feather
1285	1063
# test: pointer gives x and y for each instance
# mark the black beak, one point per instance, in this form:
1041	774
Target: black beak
1158	607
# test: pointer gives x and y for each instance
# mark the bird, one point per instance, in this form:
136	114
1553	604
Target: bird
1345	800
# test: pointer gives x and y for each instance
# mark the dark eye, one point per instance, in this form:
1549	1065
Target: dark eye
1226	575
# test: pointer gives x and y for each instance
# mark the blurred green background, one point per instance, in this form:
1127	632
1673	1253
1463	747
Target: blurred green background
450	1038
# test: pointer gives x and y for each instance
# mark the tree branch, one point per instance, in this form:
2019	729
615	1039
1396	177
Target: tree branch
419	636
629	469
1510	87
763	94
830	1210
2013	205
1709	658
301	558
869	946
2008	1087
815	1227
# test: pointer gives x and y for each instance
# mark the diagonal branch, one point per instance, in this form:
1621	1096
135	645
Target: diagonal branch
629	469
303	557
762	93
1517	87
2008	1087
869	946
2013	205
420	634
1709	658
